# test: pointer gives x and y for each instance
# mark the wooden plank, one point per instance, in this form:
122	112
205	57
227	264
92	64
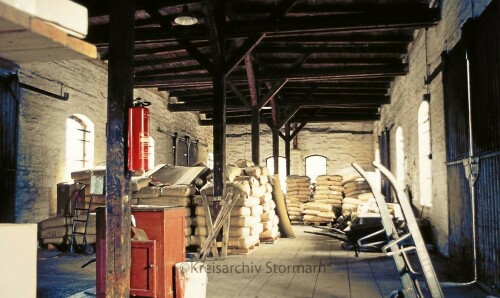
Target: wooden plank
28	39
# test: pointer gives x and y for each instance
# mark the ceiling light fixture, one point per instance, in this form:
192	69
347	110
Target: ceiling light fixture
186	18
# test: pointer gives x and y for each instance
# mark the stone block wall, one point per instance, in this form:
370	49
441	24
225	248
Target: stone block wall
341	143
406	97
42	134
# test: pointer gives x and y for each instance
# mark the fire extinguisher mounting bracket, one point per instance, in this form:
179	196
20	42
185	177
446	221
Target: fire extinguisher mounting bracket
139	102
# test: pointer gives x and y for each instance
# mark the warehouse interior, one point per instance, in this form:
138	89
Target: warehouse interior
236	91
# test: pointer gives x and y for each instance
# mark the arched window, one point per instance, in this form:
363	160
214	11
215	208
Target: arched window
79	143
281	169
315	166
151	153
400	157
424	154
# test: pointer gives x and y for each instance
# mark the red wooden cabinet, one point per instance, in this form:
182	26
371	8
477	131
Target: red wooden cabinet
153	262
143	268
166	226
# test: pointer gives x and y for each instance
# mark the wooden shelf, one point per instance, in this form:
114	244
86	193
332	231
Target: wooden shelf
24	38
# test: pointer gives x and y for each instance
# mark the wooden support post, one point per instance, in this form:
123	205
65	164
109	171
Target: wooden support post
219	131
287	148
255	134
214	13
276	136
255	111
120	93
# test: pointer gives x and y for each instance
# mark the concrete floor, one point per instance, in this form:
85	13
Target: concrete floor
308	266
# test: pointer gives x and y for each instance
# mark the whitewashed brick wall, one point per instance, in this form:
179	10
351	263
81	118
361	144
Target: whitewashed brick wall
42	145
406	97
341	143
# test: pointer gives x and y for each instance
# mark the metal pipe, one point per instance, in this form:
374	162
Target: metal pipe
64	97
471	183
471	187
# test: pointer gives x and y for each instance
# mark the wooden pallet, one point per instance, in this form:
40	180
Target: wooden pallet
317	223
297	222
242	251
270	240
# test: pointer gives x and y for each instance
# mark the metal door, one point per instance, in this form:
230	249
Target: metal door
474	138
9	117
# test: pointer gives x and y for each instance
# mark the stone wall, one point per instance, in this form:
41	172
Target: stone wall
42	141
406	97
341	143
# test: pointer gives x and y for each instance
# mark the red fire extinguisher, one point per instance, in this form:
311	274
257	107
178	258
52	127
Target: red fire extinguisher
138	135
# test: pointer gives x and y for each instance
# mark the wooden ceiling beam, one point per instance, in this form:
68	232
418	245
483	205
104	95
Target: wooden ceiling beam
239	54
332	60
342	39
383	20
350	49
337	101
161	61
239	95
172	70
340	73
245	120
333	8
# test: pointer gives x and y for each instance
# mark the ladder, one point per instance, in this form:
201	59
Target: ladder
79	208
398	247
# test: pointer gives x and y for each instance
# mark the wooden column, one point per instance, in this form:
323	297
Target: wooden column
276	136
214	14
287	148
219	130
255	110
255	134
120	93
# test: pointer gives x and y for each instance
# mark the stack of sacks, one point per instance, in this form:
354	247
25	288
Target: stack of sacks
356	186
83	177
315	212
57	230
188	228
258	179
299	187
353	189
329	190
295	209
244	227
170	195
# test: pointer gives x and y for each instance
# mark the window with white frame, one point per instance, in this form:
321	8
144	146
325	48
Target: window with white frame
315	166
400	157
424	154
79	143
